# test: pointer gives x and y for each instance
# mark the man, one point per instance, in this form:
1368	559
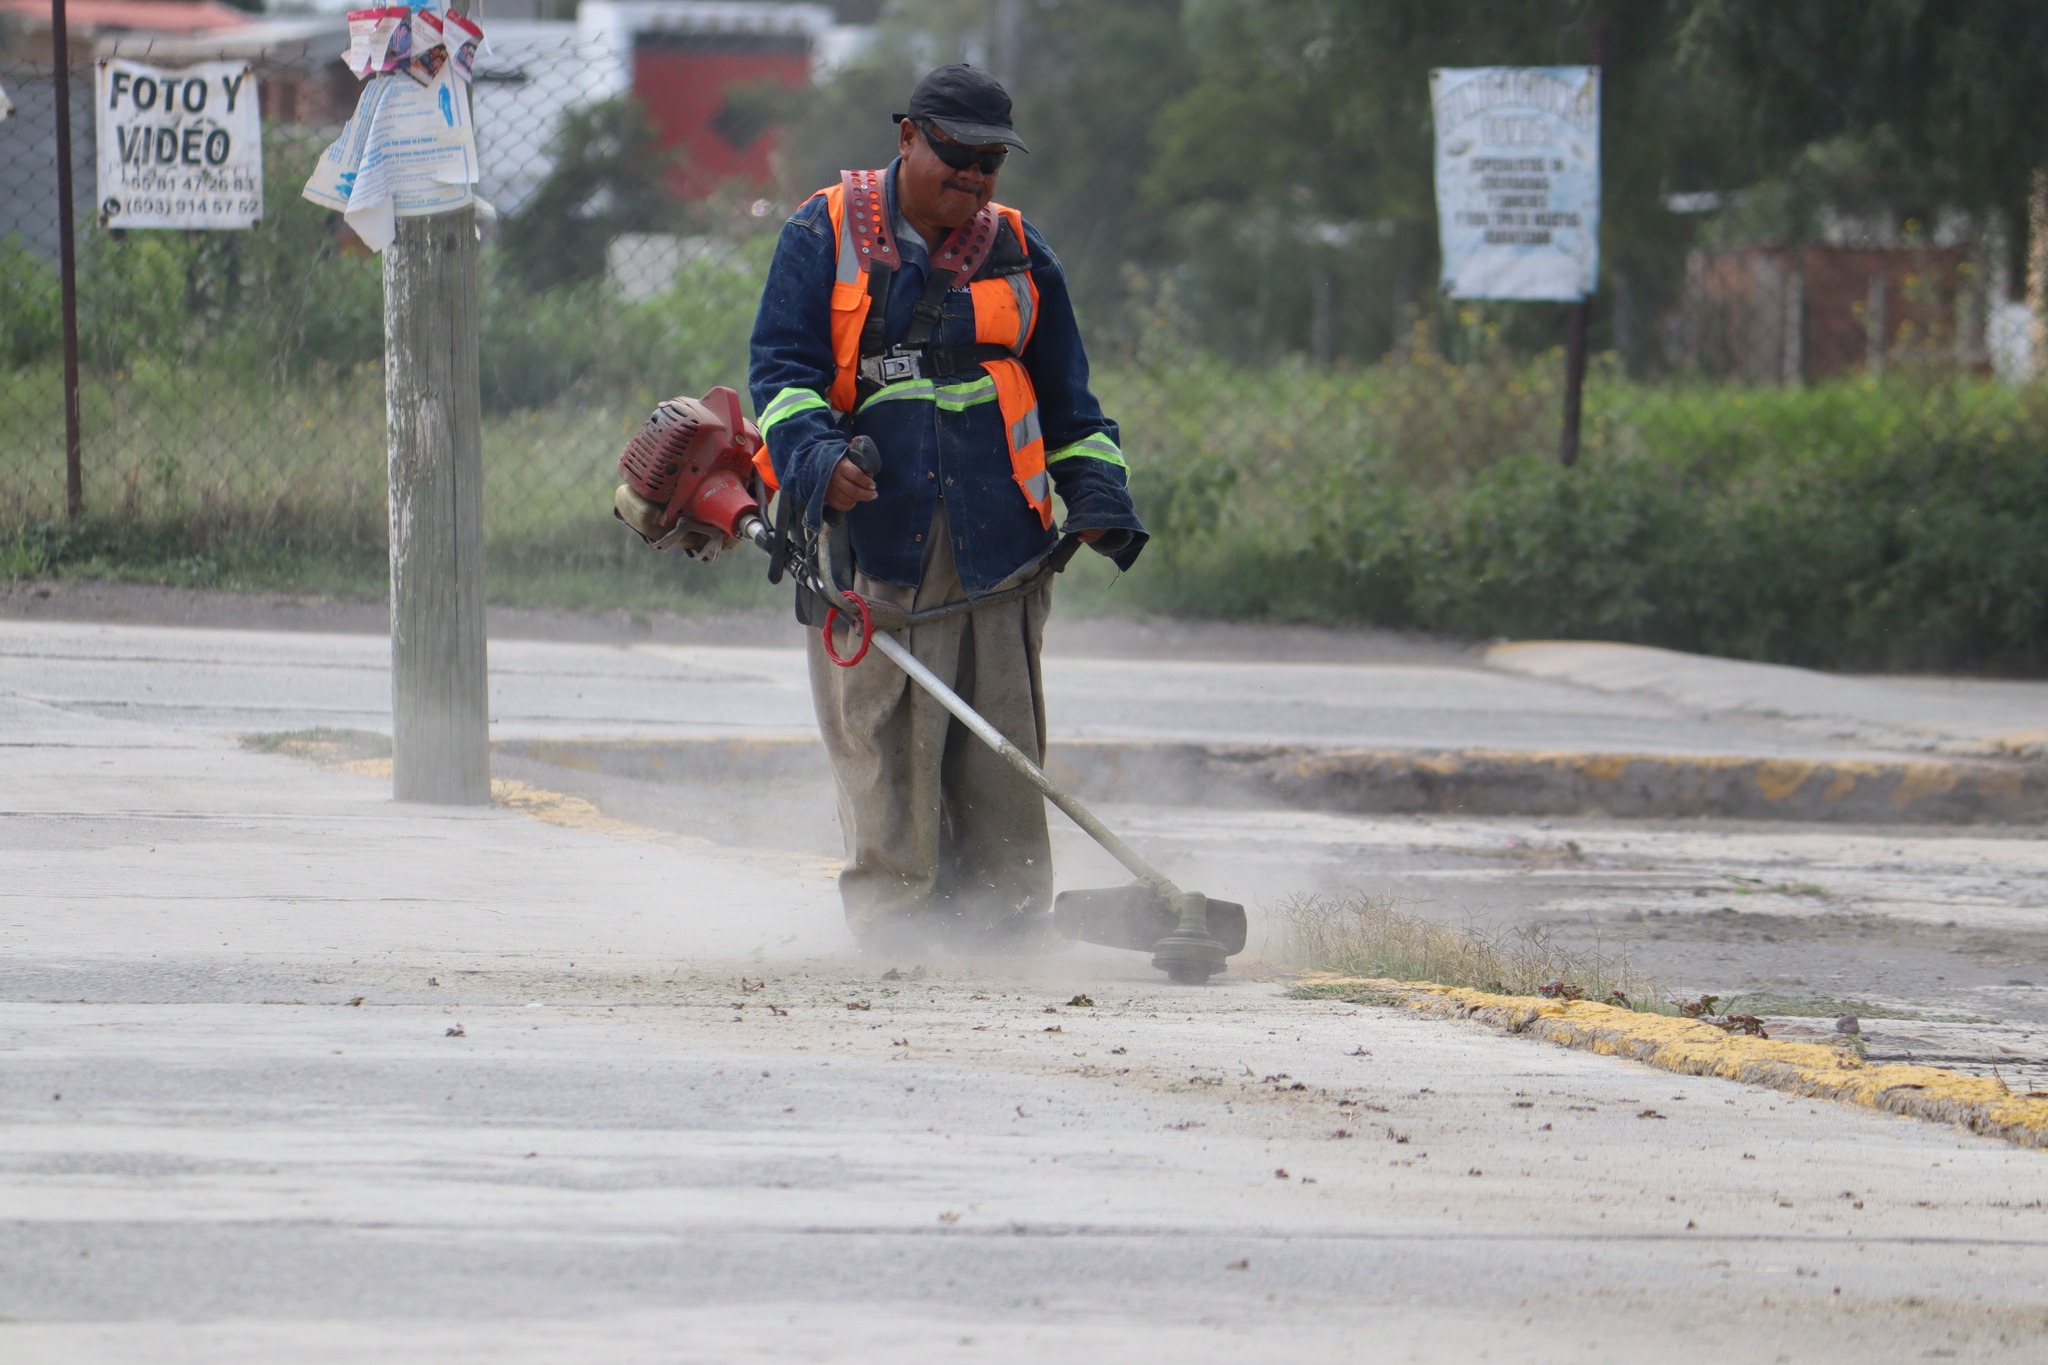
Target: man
906	306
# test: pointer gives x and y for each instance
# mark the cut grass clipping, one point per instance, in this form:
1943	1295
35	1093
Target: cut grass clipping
1367	936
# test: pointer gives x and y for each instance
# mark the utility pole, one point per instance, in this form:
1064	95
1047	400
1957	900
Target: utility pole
440	721
1582	311
67	261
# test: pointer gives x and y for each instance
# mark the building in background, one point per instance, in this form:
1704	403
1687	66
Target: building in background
25	24
1796	314
709	75
712	76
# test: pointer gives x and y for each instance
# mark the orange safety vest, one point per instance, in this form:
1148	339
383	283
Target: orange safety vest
1005	311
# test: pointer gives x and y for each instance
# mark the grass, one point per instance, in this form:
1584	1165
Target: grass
1360	935
1369	936
1899	522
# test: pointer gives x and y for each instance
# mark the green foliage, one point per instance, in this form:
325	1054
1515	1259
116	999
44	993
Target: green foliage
583	339
280	299
1207	169
1247	158
1958	87
608	178
31	323
1303	149
1767	530
1892	524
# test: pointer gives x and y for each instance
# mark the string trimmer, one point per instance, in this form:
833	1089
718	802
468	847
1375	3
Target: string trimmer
690	484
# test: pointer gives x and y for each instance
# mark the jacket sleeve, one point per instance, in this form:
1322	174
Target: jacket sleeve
1081	451
791	366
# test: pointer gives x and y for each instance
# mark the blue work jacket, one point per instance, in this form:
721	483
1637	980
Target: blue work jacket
933	443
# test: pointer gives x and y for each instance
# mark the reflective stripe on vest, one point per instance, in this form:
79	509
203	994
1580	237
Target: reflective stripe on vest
1005	311
788	404
1097	445
951	397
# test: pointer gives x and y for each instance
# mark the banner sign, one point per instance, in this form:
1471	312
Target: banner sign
1518	180
179	147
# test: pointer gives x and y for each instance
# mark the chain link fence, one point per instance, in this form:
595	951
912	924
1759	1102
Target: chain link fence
232	382
1763	470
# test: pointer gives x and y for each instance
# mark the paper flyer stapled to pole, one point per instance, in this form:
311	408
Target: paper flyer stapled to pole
410	148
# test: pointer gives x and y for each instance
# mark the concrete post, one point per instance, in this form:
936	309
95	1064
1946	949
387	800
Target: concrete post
440	742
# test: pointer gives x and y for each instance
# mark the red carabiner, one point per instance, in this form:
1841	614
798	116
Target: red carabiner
866	631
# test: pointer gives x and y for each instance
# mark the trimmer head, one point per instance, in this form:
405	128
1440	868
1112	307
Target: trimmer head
1139	918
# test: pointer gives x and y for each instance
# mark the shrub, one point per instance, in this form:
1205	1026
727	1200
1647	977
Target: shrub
1917	550
31	322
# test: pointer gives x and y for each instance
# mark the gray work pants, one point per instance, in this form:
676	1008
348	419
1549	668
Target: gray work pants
939	830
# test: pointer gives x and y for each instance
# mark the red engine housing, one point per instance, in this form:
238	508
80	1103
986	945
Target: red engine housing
695	458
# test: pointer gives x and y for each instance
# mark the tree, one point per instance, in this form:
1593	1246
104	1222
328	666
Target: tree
1960	87
1946	100
609	177
1088	81
1316	114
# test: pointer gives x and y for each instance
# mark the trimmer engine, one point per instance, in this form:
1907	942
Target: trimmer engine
691	468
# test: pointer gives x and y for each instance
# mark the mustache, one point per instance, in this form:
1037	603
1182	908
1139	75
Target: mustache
966	186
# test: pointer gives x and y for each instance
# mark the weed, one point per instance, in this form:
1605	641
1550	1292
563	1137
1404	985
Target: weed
20	558
1364	935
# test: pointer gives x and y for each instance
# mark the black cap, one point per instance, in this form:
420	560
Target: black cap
969	105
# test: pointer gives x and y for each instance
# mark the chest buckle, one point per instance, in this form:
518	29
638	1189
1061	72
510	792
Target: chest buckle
892	366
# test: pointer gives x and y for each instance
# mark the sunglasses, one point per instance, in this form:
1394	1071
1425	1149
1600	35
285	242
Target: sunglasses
960	157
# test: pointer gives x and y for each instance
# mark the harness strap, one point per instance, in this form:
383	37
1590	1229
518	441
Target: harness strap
871	340
928	312
944	362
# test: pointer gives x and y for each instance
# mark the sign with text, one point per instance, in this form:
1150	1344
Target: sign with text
1518	180
179	148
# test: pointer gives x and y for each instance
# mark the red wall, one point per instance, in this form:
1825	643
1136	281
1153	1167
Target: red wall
683	79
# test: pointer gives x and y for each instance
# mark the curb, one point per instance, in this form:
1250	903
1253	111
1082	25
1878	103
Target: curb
1693	1048
1419	782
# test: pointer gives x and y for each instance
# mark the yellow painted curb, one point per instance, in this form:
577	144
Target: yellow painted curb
1692	1047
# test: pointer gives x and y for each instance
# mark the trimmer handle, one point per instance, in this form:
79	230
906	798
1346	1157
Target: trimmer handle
867	459
861	450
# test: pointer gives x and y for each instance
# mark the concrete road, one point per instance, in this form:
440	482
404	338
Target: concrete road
1944	715
290	1072
243	680
1939	936
1936	936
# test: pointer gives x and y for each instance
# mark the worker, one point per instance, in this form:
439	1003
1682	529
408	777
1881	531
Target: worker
907	306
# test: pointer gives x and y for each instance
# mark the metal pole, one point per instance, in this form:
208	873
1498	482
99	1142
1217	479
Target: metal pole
440	720
1582	312
67	264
